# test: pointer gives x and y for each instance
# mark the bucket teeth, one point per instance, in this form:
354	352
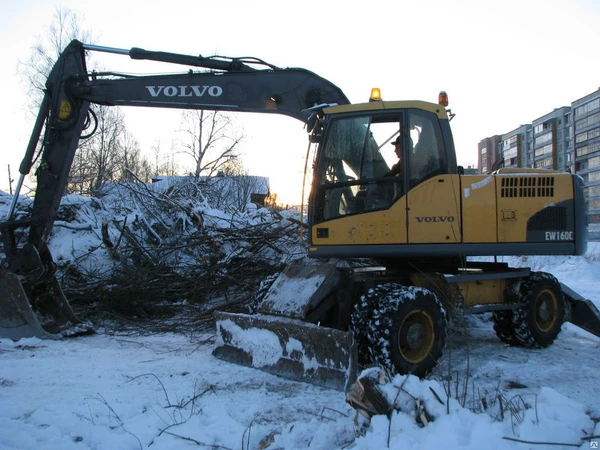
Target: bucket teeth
288	347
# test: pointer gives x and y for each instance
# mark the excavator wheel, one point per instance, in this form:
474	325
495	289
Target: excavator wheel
360	320
407	331
261	291
504	328
538	319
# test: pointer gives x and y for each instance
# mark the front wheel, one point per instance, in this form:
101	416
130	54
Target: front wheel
407	333
261	292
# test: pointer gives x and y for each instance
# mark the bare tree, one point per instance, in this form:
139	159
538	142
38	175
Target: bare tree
111	154
233	168
156	151
164	164
101	157
132	161
131	157
210	139
95	161
65	26
235	188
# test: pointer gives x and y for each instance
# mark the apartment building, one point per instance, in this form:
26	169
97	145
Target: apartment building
567	138
487	154
515	147
586	130
550	141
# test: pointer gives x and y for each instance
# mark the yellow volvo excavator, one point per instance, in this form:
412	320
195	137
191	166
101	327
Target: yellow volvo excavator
392	222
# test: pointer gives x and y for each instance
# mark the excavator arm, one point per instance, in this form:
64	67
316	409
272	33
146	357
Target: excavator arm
32	301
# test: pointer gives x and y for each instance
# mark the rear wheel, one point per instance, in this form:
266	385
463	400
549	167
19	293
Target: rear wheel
538	319
407	330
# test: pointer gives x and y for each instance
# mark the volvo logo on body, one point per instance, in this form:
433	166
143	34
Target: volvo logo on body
185	91
432	219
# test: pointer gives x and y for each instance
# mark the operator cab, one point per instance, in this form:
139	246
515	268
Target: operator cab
359	170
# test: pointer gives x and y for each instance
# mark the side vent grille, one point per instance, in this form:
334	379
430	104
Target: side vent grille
527	187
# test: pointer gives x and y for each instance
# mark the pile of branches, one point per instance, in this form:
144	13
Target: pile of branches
170	261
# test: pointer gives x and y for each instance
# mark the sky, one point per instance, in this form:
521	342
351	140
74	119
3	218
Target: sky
503	64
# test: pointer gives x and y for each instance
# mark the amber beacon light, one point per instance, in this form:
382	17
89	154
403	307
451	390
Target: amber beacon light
443	98
375	95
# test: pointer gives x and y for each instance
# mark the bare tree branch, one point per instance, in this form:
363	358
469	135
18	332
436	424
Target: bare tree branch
210	140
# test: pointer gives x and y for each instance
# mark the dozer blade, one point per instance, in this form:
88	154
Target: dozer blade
288	347
18	320
584	313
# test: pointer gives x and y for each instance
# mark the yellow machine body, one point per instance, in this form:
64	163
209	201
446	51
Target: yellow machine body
362	207
458	209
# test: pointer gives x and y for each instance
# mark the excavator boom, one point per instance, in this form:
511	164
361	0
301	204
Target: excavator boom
27	281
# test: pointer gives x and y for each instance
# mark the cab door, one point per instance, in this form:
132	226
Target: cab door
433	196
434	211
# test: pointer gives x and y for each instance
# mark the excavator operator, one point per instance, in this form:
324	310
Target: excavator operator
396	168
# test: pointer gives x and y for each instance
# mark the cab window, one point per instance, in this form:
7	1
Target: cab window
427	157
367	162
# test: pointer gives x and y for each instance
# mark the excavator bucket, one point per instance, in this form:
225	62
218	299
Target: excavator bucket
18	319
283	339
289	348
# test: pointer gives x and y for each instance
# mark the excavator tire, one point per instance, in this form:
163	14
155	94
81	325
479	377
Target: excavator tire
503	326
538	319
360	320
261	291
407	332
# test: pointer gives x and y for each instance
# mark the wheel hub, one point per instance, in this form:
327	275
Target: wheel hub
546	311
416	336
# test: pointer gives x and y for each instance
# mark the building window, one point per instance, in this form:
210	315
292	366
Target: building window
592	191
545	163
581	110
594	204
588	121
592	148
543	139
593	176
543	151
581	137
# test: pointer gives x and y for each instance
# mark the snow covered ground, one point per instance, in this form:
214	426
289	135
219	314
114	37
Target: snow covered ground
168	392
